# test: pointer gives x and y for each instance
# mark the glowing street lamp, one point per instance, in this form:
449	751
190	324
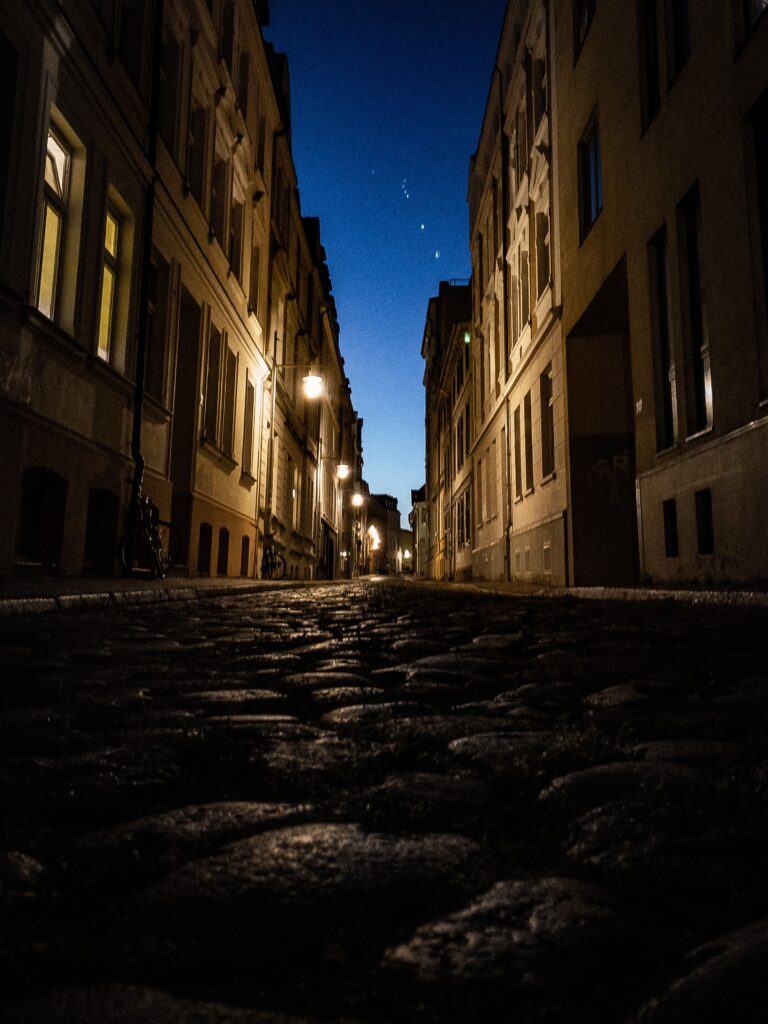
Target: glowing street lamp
312	385
342	471
357	499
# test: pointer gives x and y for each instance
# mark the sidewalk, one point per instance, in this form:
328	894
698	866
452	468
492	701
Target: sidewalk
21	595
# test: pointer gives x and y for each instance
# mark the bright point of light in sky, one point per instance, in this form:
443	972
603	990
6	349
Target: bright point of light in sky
387	102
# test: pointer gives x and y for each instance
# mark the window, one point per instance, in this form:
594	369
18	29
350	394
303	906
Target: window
198	123
109	284
518	456
466	430
249	412
590	178
253	305
479	492
227	41
243	76
664	360
523	287
542	253
528	425
679	36
760	124
753	10
219	199
58	161
170	66
492	480
235	251
704	523
583	13
671	543
460	443
547	423
9	69
521	140
539	90
228	417
154	380
648	45
698	377
131	36
211	421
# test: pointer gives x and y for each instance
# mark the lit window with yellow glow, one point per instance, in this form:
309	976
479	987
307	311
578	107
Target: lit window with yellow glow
56	188
108	284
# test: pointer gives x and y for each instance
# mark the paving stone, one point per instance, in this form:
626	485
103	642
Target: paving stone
365	714
578	792
498	751
295	892
532	949
136	850
341	696
695	752
127	1004
422	801
321	680
623	695
725	983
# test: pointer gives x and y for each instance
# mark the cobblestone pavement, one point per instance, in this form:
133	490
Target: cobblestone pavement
381	802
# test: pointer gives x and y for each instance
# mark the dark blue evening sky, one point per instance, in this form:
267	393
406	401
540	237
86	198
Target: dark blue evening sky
387	105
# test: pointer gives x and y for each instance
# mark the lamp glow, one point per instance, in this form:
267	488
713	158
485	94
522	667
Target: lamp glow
342	471
357	500
312	385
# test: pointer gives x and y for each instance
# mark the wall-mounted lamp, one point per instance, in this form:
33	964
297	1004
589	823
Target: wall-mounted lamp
357	499
342	471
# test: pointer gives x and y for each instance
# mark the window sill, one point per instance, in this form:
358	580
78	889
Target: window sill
699	433
548	478
246	480
212	449
528	492
669	450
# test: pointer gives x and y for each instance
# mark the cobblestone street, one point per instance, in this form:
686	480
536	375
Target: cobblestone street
384	802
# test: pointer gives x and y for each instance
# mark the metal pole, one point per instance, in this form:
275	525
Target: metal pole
271	448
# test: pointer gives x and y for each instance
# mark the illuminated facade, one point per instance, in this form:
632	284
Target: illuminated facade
169	122
619	235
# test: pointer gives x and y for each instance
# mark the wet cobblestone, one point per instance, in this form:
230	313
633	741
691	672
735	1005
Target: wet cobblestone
381	802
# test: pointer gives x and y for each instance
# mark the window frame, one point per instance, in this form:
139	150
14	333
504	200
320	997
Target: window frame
590	177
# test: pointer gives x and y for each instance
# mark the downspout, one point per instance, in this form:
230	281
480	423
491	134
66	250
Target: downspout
146	261
273	372
505	210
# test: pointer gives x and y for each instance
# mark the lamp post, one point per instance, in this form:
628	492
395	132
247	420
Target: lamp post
312	386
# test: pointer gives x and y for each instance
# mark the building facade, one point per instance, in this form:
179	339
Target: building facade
161	294
619	237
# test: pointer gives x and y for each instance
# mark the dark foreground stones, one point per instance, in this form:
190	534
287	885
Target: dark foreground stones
383	803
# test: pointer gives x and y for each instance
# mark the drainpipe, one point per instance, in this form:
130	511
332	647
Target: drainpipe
143	295
504	140
146	260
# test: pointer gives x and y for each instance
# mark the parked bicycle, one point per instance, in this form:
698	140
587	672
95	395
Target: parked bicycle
272	562
150	546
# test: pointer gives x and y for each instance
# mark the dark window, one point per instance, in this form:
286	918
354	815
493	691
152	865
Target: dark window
101	531
131	37
542	253
753	11
41	526
583	13
671	543
528	424
648	44
760	122
698	378
250	402
243	75
222	559
590	178
196	153
664	362
705	529
204	547
228	418
547	423
157	328
679	36
212	386
9	69
245	549
169	91
518	456
219	199
227	43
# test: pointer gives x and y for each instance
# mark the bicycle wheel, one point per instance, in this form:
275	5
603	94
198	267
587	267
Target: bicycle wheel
169	547
279	570
137	554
